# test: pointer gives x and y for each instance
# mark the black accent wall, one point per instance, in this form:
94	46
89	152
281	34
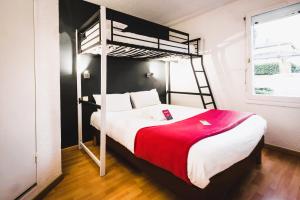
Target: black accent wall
123	75
138	25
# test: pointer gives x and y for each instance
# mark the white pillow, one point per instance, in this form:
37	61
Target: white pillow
115	102
145	98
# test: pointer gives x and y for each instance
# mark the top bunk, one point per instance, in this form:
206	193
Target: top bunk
129	36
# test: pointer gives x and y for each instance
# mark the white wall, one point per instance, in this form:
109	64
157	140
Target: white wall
225	41
17	99
47	94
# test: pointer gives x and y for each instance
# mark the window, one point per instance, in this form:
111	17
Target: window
275	53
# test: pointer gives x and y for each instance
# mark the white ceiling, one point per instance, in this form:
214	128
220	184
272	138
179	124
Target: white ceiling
162	11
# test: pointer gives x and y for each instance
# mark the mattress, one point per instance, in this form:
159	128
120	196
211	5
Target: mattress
207	157
92	40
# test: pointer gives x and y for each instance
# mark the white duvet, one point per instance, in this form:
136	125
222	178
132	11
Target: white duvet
207	157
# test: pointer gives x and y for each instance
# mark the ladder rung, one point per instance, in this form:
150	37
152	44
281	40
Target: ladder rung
189	93
198	71
204	87
209	103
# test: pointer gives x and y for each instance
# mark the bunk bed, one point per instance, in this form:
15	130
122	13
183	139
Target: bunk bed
123	42
110	33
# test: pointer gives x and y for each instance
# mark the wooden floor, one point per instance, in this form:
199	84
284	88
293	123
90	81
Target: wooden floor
278	178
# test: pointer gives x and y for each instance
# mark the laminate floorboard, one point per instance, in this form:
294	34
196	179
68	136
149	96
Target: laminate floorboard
278	178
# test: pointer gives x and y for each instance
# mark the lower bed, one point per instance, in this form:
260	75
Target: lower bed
206	158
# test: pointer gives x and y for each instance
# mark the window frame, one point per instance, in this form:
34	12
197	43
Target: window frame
251	98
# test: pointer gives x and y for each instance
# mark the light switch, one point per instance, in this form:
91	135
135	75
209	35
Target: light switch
85	98
86	74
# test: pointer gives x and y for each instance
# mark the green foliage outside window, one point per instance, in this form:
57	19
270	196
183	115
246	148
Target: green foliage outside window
295	68
267	91
266	69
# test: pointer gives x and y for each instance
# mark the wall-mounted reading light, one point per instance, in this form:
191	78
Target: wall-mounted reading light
86	74
149	74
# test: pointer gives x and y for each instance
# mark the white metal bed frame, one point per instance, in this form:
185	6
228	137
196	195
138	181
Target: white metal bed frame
103	74
103	38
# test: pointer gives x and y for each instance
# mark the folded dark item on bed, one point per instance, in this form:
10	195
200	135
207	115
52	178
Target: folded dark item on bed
167	146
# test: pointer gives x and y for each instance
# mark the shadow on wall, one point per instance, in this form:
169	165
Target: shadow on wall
224	47
227	72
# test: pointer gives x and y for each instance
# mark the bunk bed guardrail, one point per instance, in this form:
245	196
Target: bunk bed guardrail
128	44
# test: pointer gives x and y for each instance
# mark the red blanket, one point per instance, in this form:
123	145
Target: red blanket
167	146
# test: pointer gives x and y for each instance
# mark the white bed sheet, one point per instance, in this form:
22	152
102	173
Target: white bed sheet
207	157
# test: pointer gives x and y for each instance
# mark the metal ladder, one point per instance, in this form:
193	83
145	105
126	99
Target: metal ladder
210	94
200	93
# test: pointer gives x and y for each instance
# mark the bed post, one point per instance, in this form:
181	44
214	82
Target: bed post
102	21
78	78
168	63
